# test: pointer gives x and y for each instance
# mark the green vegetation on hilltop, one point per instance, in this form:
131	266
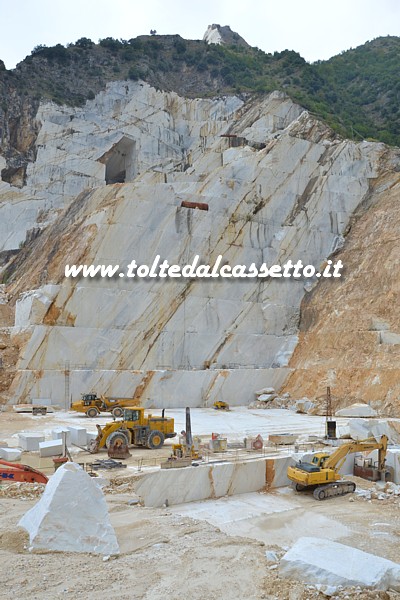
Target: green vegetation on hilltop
365	83
357	92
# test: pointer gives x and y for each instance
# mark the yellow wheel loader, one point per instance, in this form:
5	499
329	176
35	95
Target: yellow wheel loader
322	474
135	429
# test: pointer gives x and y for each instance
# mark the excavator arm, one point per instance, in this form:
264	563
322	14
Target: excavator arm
12	472
337	458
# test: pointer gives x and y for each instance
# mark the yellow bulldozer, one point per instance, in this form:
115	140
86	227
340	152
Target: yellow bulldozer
91	405
322	474
135	429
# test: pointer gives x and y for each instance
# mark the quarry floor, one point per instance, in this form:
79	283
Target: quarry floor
213	549
235	424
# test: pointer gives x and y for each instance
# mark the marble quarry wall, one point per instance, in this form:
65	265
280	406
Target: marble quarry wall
177	486
285	187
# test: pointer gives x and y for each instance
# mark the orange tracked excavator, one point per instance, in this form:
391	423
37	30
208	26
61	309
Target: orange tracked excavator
12	472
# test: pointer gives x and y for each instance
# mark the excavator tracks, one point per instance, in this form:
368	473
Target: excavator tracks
338	488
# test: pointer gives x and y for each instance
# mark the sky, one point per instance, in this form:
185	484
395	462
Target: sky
317	29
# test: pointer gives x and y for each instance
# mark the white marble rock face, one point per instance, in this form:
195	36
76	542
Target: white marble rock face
164	129
179	342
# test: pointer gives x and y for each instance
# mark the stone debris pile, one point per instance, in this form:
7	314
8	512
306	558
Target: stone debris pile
380	491
268	398
22	490
303	406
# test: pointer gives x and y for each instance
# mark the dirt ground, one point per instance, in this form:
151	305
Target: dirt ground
164	554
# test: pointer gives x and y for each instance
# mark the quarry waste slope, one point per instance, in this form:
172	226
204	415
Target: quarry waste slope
284	187
349	332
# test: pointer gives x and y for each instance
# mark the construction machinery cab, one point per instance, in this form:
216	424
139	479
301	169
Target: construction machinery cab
319	459
87	399
131	414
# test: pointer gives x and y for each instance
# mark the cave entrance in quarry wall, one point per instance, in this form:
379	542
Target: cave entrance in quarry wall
120	161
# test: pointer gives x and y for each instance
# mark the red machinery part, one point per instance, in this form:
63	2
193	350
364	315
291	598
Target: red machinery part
198	205
258	443
11	472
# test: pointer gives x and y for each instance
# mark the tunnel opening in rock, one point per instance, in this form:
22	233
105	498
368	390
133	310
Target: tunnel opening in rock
15	176
120	161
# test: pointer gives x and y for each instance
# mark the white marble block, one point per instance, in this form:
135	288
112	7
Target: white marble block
51	448
56	434
78	435
10	454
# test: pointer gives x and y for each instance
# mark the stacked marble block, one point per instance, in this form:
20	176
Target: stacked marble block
74	435
35	442
57	434
51	448
78	435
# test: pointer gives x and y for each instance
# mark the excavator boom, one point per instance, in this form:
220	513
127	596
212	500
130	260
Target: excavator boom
336	459
12	472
